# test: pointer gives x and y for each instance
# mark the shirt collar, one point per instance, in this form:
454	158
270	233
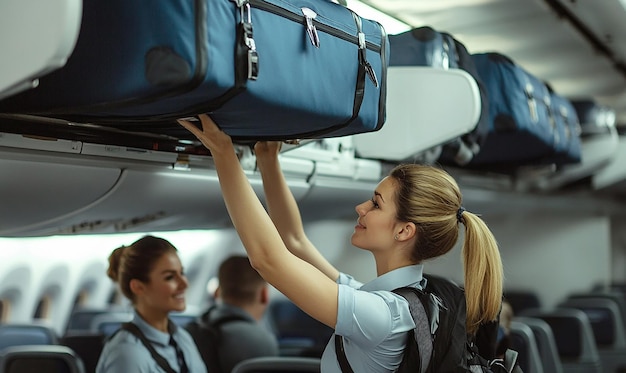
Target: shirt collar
411	276
152	333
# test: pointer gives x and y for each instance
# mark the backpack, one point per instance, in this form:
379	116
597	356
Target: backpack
453	350
207	334
439	312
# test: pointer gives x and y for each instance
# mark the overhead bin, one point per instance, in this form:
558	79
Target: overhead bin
43	34
426	107
600	148
35	194
615	171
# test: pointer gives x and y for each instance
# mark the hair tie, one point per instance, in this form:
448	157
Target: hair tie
459	214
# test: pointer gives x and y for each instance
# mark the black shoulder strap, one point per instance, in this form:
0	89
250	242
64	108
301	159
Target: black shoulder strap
206	334
422	332
419	346
344	364
133	329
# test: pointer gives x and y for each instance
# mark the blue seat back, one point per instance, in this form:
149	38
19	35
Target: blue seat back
26	334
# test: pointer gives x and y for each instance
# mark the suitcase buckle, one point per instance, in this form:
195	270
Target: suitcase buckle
309	16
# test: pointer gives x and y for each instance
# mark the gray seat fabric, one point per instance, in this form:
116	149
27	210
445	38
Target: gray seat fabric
574	338
546	345
287	364
523	341
606	321
40	358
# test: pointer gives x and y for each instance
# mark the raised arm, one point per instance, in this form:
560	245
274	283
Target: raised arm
284	210
310	289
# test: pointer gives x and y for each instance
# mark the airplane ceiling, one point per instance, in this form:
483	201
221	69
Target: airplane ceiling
584	57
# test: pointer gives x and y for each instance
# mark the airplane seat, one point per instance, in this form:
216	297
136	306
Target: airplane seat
182	320
80	319
523	341
26	334
546	345
574	338
87	345
608	329
108	323
275	364
522	299
298	334
605	293
40	358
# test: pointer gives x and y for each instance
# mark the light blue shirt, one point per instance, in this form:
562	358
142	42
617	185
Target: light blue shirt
126	353
373	321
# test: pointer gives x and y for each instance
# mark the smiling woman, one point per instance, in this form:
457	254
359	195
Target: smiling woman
150	275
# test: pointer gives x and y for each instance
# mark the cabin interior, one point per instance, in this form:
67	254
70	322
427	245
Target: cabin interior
72	192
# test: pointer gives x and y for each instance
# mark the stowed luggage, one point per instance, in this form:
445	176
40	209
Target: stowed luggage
425	46
567	141
269	69
522	127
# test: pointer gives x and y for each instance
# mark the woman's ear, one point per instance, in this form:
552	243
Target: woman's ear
407	231
136	286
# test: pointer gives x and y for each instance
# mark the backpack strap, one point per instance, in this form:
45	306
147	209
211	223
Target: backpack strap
206	333
133	329
419	346
344	364
422	332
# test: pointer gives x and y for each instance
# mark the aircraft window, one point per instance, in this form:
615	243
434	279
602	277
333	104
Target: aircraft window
4	310
115	297
43	308
81	298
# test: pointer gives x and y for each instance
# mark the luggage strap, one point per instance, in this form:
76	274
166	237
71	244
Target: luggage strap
421	334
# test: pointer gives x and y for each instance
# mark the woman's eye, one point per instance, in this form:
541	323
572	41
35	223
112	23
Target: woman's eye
374	203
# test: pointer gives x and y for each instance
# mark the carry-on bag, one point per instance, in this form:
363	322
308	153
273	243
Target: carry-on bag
422	46
425	46
521	126
567	141
264	69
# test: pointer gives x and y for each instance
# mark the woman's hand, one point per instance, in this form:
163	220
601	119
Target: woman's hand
266	153
210	136
267	148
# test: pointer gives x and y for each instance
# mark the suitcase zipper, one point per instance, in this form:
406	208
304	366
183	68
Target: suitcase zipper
260	4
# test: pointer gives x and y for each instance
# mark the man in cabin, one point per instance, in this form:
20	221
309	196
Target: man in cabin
230	331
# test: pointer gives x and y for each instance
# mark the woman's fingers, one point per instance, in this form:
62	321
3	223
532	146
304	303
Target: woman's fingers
267	147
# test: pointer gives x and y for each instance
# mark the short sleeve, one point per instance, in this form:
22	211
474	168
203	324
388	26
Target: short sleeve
368	318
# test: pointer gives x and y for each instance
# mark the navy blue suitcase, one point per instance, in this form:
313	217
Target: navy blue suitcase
425	46
522	129
567	141
264	69
422	46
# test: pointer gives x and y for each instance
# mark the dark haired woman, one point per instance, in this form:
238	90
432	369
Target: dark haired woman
150	275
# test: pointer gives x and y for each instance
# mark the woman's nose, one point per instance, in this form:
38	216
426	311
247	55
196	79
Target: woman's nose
360	208
184	283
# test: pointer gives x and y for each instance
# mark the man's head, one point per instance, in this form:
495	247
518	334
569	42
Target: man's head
239	284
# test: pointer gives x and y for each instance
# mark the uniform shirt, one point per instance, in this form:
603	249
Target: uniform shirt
126	353
373	321
242	340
